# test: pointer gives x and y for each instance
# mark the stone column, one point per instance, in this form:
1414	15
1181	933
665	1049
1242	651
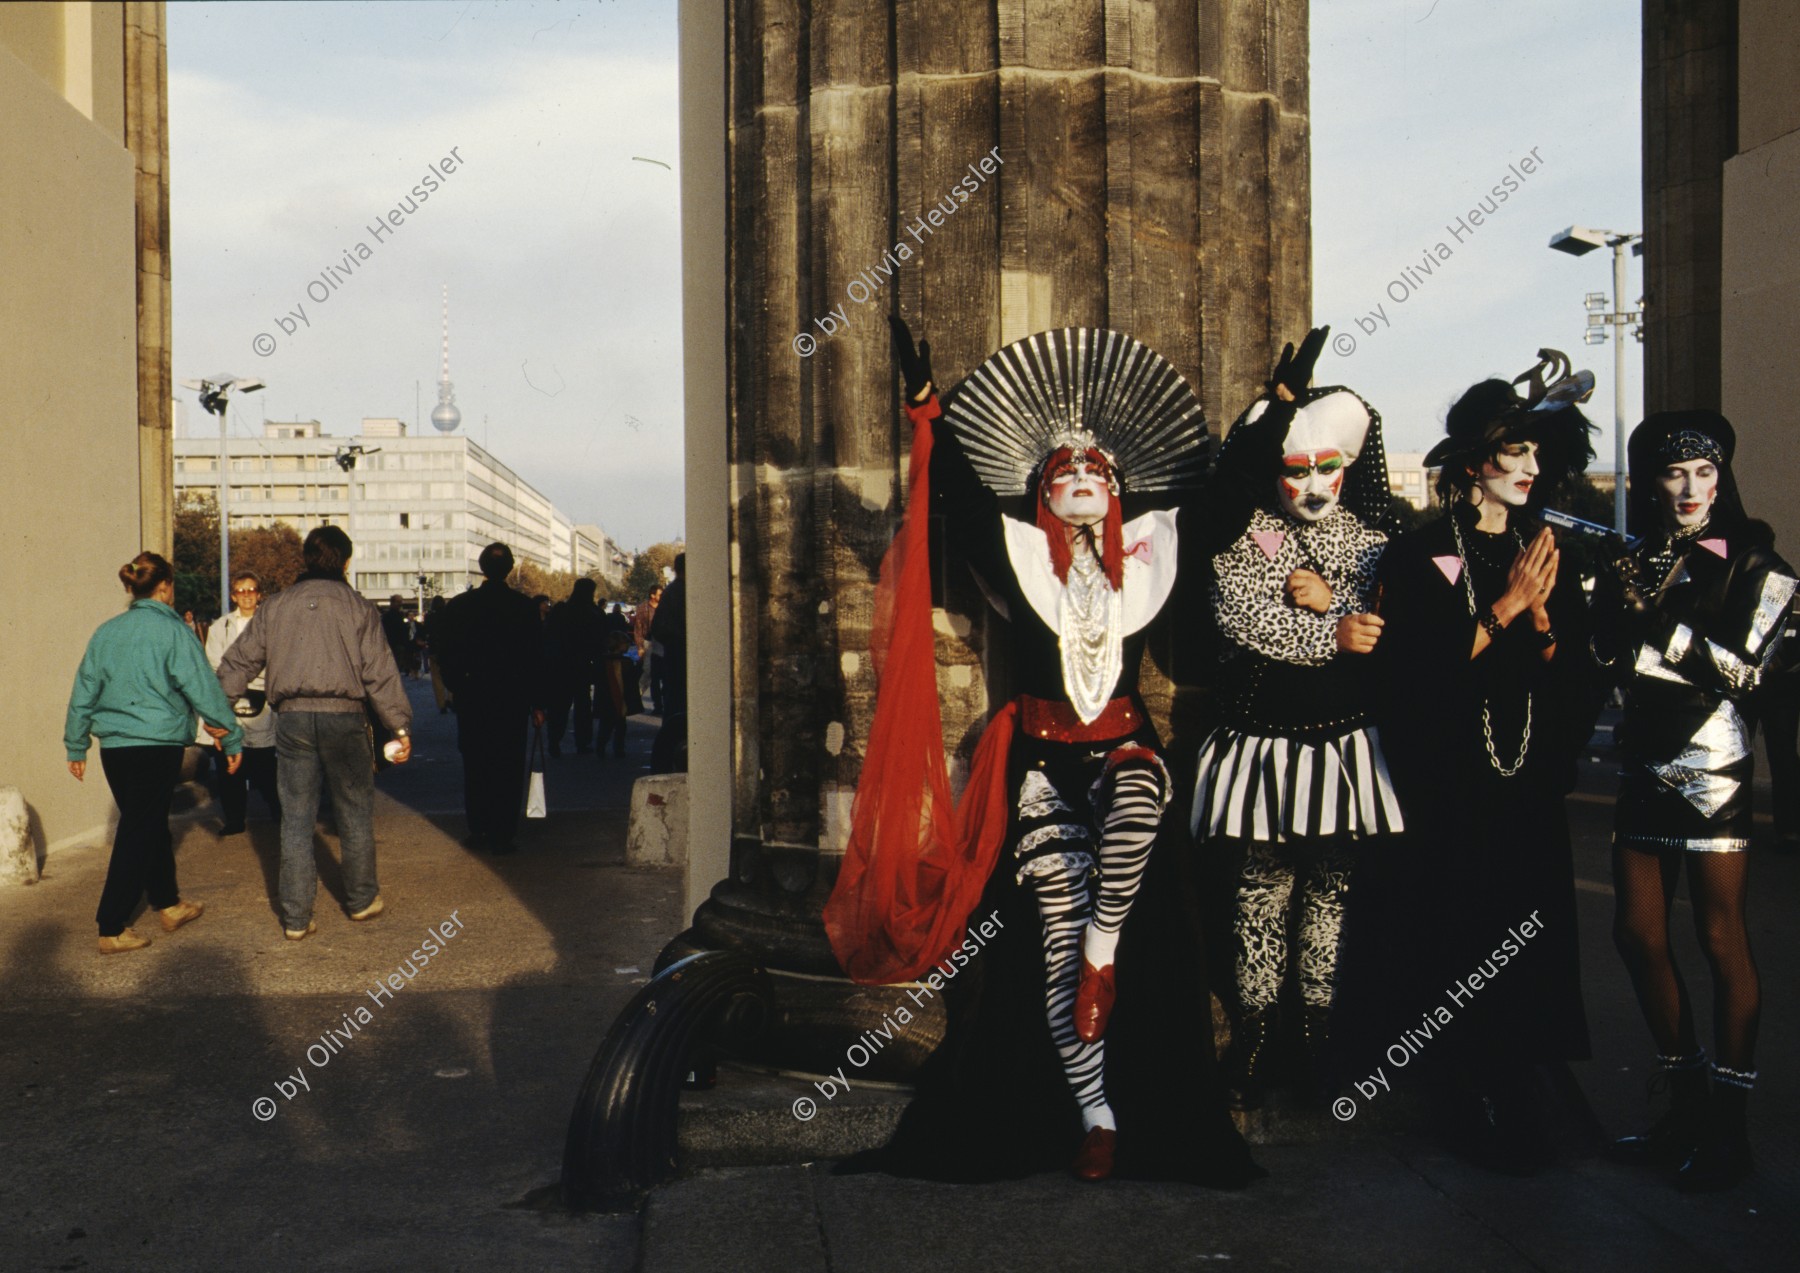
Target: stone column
1148	171
1690	130
147	137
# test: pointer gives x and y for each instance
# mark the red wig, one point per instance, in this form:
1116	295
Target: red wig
1112	539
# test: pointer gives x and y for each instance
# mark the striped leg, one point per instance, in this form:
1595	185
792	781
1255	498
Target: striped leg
1264	890
1133	811
1062	899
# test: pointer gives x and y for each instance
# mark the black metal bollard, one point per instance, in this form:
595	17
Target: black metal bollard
621	1140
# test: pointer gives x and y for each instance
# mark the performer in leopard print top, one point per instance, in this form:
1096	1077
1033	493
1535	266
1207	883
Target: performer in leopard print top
1293	776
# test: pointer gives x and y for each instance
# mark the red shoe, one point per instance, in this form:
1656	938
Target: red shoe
1094	1161
1094	1002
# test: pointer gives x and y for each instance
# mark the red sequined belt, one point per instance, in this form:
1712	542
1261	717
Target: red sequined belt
1056	720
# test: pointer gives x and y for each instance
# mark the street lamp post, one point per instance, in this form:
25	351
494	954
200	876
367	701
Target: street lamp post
346	458
1579	241
215	396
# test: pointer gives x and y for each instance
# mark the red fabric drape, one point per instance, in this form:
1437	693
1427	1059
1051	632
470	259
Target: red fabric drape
916	863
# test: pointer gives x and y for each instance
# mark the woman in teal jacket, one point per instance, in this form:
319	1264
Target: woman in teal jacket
142	680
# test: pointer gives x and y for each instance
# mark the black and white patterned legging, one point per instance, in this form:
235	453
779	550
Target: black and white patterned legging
1264	898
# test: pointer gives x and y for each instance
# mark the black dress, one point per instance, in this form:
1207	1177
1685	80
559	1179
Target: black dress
1482	880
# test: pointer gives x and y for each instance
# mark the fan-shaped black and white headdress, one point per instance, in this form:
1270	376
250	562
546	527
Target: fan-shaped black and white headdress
1044	391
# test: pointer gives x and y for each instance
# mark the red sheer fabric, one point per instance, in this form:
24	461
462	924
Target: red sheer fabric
916	863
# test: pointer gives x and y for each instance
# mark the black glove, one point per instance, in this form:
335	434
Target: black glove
1295	371
915	363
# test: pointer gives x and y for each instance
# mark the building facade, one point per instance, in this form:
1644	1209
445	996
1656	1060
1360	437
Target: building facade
417	508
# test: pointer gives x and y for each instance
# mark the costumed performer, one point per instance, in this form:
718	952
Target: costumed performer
1293	777
1068	779
1692	623
1485	697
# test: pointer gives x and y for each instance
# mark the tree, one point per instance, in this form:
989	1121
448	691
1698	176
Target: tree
272	553
533	580
642	577
197	555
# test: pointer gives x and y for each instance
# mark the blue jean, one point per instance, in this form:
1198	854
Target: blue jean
313	749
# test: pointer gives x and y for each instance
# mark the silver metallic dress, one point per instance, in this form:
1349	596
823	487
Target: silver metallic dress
1715	627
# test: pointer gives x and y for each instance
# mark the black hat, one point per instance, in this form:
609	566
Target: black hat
1492	413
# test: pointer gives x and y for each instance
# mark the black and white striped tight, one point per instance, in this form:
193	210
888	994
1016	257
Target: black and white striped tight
1138	792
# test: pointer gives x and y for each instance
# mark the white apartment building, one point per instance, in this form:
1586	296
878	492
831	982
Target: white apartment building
414	506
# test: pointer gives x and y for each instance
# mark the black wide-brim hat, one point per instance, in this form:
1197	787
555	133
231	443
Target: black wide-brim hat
1489	415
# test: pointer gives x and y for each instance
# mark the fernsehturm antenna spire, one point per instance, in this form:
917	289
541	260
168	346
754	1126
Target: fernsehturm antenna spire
445	417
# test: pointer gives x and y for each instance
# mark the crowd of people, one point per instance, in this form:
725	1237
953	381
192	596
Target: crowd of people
302	692
1372	813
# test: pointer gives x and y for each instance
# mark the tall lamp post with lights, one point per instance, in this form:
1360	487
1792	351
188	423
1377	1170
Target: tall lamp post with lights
346	458
1579	241
215	395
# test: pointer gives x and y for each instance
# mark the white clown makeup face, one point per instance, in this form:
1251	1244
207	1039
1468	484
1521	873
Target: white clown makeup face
1509	475
1686	492
1079	489
1310	484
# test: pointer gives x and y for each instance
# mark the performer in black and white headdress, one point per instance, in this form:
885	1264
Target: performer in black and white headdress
1293	776
1063	805
1691	623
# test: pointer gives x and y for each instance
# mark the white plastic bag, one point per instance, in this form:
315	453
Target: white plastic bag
534	800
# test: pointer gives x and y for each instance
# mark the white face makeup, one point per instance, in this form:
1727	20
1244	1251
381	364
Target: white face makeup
1310	484
1686	492
1080	492
1509	476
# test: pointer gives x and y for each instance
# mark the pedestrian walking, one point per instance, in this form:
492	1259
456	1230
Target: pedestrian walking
668	636
492	653
651	673
326	662
252	712
141	683
428	629
573	642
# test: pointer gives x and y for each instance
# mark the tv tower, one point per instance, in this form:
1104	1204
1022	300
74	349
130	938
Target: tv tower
445	417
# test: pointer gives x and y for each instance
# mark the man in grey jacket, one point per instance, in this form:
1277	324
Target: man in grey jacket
322	653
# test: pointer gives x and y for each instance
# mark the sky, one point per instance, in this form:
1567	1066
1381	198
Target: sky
295	126
1419	107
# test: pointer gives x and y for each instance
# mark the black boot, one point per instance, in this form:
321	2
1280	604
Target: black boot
1673	1136
1320	1080
1247	1060
1723	1156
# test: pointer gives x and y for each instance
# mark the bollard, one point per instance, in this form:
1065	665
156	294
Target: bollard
18	855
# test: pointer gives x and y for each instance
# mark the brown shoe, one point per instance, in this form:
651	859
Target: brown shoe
1094	1161
301	934
370	911
181	913
126	940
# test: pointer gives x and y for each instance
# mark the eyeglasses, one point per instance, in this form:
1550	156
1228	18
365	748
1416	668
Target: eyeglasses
246	592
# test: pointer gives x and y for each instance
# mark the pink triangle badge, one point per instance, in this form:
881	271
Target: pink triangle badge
1714	546
1269	541
1452	566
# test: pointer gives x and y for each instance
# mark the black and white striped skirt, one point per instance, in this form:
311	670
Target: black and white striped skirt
1255	788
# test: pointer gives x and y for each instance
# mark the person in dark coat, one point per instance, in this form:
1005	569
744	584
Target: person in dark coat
574	638
668	635
491	650
1485	697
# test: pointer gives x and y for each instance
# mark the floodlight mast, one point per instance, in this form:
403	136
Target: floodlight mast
1579	240
215	397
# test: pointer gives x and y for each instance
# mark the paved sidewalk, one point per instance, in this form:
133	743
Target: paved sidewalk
424	1141
431	1139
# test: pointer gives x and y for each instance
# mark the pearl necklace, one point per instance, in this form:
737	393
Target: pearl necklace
1091	633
